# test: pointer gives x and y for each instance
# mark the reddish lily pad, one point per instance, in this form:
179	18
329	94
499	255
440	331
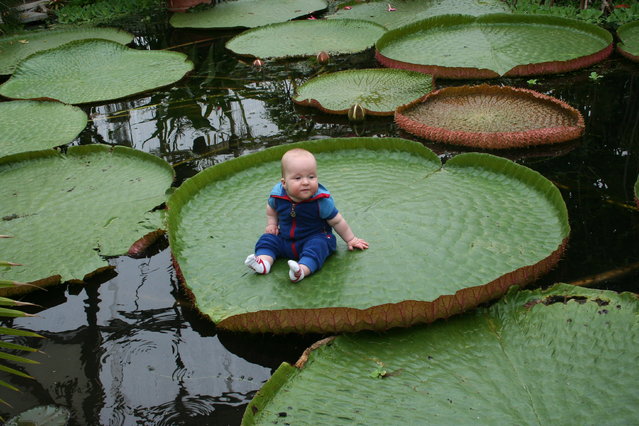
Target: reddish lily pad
442	238
379	91
629	40
490	117
489	46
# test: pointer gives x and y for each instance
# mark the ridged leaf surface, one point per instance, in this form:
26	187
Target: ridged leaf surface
15	48
378	90
93	70
246	13
306	38
65	211
629	37
409	11
34	125
432	231
495	42
566	355
490	117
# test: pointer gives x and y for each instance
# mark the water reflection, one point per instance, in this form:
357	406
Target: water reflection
130	349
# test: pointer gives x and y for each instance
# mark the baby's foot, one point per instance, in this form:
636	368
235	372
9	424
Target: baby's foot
296	274
257	264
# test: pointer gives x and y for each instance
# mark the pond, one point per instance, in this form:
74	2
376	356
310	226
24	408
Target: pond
129	348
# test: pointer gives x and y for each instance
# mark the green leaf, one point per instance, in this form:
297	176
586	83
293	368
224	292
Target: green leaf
460	46
629	40
246	13
16	358
306	38
15	48
380	90
11	313
94	70
409	11
44	415
13	346
566	355
71	209
34	125
14	371
446	238
15	332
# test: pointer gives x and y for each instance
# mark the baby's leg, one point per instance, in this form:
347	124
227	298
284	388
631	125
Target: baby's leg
313	253
297	271
260	264
267	248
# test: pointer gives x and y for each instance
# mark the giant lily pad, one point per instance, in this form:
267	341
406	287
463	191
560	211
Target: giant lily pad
490	117
34	125
15	48
442	239
379	91
93	70
306	38
488	46
566	355
629	36
246	13
66	211
403	12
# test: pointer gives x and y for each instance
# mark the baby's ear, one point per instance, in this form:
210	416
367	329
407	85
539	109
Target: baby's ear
283	181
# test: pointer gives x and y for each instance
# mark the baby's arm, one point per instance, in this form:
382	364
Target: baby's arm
343	230
271	220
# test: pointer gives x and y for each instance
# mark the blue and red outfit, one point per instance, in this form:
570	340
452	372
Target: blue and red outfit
304	231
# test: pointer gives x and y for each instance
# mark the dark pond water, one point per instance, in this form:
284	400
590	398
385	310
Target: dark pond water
129	349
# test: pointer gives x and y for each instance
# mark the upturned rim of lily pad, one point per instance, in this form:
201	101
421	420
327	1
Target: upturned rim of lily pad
621	46
368	109
540	68
494	140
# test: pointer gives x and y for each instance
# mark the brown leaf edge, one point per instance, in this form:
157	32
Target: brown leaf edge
626	54
493	140
381	317
462	73
139	247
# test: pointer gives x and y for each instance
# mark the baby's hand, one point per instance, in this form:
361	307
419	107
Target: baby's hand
272	229
357	243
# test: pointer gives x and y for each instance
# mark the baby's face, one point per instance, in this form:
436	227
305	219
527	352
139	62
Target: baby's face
300	178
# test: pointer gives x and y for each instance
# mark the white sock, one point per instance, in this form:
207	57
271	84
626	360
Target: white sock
257	264
296	273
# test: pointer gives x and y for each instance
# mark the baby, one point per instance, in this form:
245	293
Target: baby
299	216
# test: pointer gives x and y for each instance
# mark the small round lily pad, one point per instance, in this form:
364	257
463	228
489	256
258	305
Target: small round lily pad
379	90
93	70
442	238
490	117
306	38
34	125
493	45
246	13
629	40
